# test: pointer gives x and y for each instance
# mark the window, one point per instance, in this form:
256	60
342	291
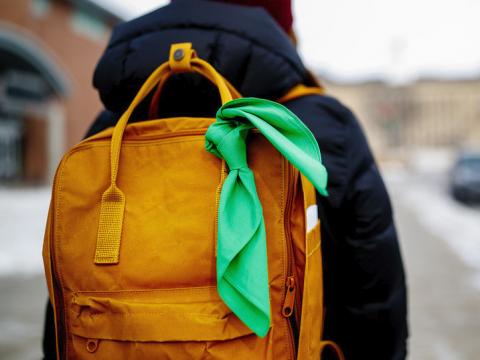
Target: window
88	25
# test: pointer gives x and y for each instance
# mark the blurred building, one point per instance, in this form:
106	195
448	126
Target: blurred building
426	113
48	51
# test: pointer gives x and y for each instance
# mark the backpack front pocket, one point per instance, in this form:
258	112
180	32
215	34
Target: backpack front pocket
190	323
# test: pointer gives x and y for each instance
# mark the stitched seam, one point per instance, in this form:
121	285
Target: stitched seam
108	313
135	291
58	256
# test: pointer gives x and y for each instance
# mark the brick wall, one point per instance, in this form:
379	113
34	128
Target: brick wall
75	53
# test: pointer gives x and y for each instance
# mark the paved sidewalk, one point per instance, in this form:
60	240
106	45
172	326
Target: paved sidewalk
440	239
22	307
444	307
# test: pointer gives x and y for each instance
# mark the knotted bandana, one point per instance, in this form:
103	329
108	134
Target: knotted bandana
242	266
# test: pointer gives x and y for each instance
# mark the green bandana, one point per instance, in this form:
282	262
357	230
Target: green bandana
242	267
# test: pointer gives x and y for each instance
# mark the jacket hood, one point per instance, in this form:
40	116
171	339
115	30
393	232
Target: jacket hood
243	43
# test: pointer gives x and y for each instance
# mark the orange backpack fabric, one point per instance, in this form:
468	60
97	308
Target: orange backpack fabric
158	300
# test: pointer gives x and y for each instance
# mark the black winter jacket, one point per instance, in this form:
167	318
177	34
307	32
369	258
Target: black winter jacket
365	290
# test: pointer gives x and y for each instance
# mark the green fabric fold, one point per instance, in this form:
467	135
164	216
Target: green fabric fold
242	266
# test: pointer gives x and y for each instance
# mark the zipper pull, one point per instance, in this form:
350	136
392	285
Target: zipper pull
289	301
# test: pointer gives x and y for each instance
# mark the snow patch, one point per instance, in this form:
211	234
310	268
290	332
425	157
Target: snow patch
455	223
425	193
23	215
431	160
15	332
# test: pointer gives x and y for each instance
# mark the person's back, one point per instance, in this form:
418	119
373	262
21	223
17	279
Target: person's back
365	292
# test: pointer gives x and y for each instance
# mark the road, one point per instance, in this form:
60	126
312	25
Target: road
440	241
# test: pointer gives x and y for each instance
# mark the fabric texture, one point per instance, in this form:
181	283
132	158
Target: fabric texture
242	266
365	290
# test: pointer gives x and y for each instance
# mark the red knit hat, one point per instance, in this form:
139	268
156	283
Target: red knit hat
280	10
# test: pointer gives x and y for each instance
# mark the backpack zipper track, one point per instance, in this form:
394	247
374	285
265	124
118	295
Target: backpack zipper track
290	305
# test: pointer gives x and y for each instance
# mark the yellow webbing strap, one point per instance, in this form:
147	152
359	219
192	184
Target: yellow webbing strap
110	226
313	263
113	201
299	91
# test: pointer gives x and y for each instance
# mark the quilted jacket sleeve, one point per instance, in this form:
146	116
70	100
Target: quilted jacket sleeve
374	293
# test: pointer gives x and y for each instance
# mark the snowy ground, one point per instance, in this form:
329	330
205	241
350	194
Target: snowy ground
423	188
458	225
23	214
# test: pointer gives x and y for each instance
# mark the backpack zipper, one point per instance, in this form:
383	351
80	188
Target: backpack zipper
289	310
146	138
289	302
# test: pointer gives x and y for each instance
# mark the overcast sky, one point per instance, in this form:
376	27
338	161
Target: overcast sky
393	39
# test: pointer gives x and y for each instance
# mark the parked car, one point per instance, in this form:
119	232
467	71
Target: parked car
465	179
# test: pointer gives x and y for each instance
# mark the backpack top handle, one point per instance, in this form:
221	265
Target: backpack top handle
182	59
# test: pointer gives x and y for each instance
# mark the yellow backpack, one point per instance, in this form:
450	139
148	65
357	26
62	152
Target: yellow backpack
130	242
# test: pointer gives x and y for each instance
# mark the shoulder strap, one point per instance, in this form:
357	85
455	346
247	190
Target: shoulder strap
301	90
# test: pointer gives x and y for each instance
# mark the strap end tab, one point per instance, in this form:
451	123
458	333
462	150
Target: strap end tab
110	227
